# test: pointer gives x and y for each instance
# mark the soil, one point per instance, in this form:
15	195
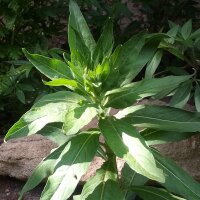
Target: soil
10	189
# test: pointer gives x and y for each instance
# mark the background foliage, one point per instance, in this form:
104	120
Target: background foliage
40	25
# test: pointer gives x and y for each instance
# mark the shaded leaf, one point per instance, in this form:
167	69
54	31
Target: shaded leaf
102	186
78	23
136	53
182	95
152	193
20	95
153	136
153	64
157	87
177	180
105	44
130	178
197	97
161	117
54	134
186	29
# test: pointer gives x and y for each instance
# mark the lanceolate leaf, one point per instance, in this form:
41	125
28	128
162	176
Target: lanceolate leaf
197	98
102	186
54	134
71	84
51	108
50	67
77	118
80	54
186	29
136	55
78	23
161	117
154	136
126	143
152	193
131	178
43	170
74	162
177	180
105	44
182	95
157	87
128	55
20	95
153	65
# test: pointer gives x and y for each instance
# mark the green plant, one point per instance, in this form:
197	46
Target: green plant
100	79
183	45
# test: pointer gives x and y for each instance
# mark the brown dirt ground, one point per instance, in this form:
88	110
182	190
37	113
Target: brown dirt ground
10	188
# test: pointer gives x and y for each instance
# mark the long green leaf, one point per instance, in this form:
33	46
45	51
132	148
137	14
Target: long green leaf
77	118
182	95
126	143
197	98
50	67
136	53
152	193
186	29
153	136
127	58
78	23
71	84
51	108
54	134
161	117
74	162
102	186
157	87
177	180
105	44
153	65
80	54
131	178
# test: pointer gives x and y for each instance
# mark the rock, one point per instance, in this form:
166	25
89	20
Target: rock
19	157
186	154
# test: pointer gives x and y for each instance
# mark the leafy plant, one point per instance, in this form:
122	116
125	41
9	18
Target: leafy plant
183	44
100	78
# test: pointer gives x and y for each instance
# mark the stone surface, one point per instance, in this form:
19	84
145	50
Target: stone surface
19	157
186	153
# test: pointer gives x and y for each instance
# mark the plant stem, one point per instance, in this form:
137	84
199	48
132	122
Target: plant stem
112	159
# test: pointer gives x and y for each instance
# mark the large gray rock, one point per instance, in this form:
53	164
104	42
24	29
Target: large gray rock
186	153
19	157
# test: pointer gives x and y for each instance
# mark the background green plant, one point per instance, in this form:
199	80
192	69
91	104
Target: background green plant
99	78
